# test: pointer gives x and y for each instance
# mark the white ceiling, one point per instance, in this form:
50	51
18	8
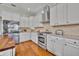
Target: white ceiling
22	8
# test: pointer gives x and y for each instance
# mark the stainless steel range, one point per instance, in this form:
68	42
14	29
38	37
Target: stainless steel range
42	40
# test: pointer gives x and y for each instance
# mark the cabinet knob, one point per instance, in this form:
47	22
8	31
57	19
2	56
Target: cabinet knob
57	38
74	42
67	21
65	44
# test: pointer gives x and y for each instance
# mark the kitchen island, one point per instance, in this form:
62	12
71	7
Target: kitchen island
7	46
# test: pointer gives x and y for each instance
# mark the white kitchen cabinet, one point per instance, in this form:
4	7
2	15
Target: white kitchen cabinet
6	53
13	52
65	16
61	14
9	52
71	47
53	16
34	37
24	36
39	17
59	46
37	20
31	22
73	13
55	45
24	22
1	26
34	23
71	50
62	46
50	43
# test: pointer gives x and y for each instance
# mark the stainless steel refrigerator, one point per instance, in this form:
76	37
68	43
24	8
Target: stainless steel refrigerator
12	29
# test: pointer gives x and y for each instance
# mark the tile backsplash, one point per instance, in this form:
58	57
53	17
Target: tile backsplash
68	30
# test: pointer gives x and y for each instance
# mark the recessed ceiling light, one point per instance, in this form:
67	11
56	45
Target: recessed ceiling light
28	9
42	12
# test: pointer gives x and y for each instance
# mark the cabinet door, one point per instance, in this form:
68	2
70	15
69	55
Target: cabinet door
53	16
28	36
61	14
73	13
34	37
30	22
24	22
1	26
38	19
50	43
24	37
71	50
6	53
59	46
13	52
65	13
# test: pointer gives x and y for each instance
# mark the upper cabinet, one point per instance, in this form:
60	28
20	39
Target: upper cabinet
23	22
37	20
73	13
58	14
53	16
61	14
64	14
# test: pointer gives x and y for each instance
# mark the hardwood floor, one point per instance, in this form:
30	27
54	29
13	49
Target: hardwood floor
29	48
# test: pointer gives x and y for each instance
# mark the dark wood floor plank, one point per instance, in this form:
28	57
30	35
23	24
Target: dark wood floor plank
29	48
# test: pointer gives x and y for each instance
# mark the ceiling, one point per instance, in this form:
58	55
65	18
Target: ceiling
22	8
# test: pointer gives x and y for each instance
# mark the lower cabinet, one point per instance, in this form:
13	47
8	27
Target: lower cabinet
13	52
55	45
24	36
34	37
59	46
62	46
29	36
9	52
71	48
50	43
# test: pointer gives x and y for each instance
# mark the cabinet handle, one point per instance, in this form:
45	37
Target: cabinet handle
57	38
74	42
65	44
67	21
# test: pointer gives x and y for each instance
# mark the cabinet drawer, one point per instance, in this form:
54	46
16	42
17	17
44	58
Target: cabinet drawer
6	53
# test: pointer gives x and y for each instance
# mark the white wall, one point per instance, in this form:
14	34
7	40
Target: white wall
6	15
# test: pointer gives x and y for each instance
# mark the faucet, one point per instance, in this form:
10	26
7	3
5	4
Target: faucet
59	32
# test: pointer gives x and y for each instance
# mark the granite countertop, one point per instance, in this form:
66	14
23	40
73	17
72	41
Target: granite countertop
74	37
6	43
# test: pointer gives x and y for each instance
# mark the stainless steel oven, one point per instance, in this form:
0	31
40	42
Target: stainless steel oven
42	40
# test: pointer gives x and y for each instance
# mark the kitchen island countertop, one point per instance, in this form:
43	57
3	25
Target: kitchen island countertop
6	43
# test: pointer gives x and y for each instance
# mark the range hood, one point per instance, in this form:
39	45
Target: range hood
46	14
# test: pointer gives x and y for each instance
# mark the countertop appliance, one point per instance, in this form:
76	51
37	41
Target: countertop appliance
42	40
